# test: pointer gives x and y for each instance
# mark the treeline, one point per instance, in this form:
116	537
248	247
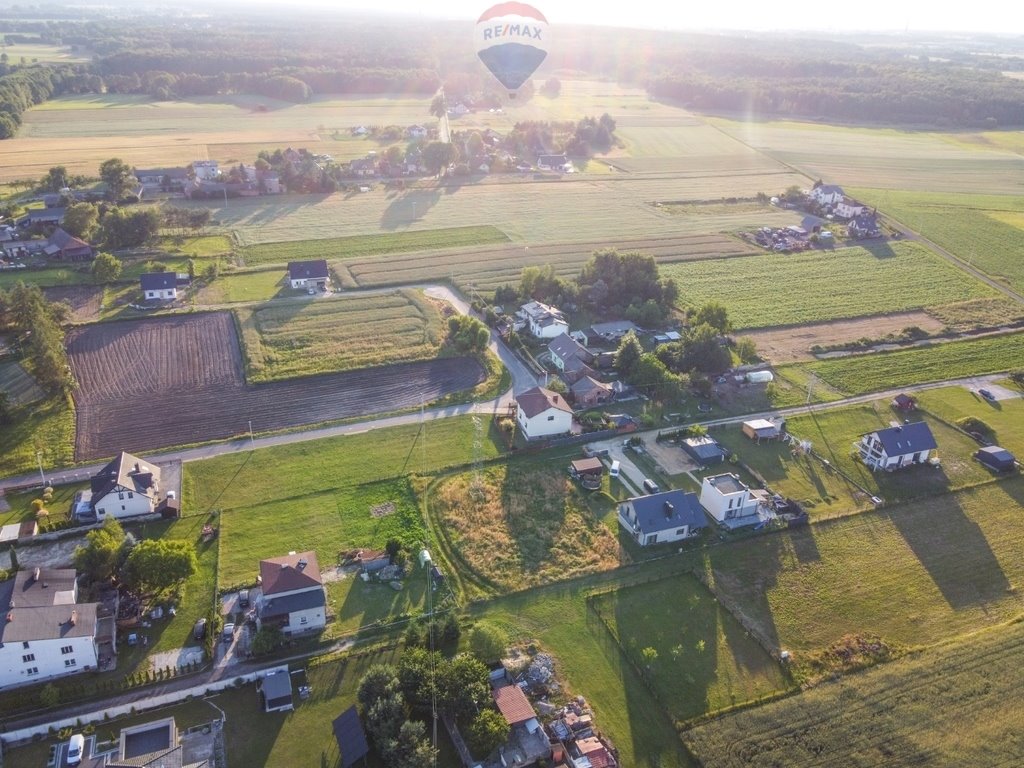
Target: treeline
579	139
24	87
26	311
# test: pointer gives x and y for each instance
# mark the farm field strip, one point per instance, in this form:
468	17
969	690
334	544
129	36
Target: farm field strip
814	286
987	231
338	335
861	374
486	268
201	394
951	559
951	705
370	245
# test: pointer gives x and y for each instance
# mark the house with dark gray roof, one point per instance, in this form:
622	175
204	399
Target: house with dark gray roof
159	286
44	631
126	487
997	459
826	194
308	274
662	517
43	216
901	445
704	450
292	595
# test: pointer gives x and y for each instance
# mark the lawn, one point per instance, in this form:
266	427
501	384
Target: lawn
818	285
232	287
914	574
47	426
356	246
197	246
1004	418
954	705
356	604
343	333
45	277
857	375
329	522
242	480
987	231
705	661
522	523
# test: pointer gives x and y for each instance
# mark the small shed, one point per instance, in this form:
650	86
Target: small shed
373	560
760	377
997	459
704	450
761	429
904	402
276	690
581	469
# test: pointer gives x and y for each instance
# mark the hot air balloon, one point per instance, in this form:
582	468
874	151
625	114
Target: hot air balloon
511	41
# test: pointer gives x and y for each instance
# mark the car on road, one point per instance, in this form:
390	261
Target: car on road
987	395
311	291
229	632
614	469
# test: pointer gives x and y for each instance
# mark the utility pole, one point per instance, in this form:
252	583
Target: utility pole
42	477
252	442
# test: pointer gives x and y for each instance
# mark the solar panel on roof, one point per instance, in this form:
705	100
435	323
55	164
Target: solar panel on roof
348	731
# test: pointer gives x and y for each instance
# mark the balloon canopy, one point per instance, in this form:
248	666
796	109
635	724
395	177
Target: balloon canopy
511	41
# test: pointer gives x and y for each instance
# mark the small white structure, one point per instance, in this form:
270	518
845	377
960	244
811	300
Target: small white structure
848	208
45	632
308	274
205	170
159	285
126	487
826	194
901	445
726	497
760	377
425	561
761	429
543	413
543	320
292	594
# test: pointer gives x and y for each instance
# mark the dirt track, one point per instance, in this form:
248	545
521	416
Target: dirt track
173	381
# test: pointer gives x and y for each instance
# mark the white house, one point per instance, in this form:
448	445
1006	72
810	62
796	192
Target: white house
292	594
826	194
416	132
901	445
727	498
662	517
543	320
206	170
308	274
159	285
127	486
848	208
542	413
44	632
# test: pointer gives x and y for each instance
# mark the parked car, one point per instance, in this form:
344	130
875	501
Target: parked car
76	748
987	395
229	632
650	486
614	470
199	630
243	598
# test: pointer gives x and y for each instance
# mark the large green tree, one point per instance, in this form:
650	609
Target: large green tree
158	564
80	220
486	732
438	155
103	551
122	228
106	268
118	176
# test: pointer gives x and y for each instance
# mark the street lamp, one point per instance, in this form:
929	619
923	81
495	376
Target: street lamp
39	458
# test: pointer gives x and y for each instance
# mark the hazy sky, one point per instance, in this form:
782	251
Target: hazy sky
1001	16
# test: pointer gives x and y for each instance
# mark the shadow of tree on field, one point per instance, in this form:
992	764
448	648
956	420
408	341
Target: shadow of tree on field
408	208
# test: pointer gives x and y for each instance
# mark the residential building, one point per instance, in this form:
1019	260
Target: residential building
728	499
901	445
309	274
543	320
608	333
826	194
416	132
554	163
125	487
663	517
704	450
543	413
65	247
205	170
864	225
52	216
848	208
159	286
156	744
292	594
45	632
564	349
588	392
163	178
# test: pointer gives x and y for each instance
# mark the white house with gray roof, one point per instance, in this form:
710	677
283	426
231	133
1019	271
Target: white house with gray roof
44	631
827	194
126	487
661	518
543	320
901	445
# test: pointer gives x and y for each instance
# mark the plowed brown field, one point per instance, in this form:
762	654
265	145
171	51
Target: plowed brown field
163	382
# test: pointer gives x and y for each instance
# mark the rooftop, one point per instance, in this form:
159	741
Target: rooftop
126	471
513	704
158	281
668	510
308	270
906	438
296	570
537	400
726	483
300	601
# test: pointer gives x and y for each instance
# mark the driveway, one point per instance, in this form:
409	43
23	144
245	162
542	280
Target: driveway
629	474
998	391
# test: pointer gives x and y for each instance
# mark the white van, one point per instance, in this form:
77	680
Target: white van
76	746
614	470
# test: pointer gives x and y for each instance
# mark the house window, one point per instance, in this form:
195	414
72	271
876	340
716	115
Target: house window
70	663
67	649
101	511
32	671
131	495
28	657
24	644
120	497
122	507
302	620
652	539
551	418
681	532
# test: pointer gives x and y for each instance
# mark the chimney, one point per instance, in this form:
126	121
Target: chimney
74	618
35	573
10	615
669	509
137	468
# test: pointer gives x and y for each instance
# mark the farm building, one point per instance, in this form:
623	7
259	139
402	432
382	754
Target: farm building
730	501
761	429
704	450
125	487
43	216
662	517
292	597
588	471
61	245
904	402
543	413
171	178
588	392
48	633
901	445
308	274
543	320
554	163
159	285
997	459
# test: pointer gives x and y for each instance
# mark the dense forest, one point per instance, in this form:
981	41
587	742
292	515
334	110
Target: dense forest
935	82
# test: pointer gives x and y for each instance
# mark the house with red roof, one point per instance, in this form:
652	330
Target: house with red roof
543	413
292	594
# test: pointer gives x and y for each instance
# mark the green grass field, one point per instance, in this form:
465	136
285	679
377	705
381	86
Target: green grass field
43	53
1005	418
200	246
357	246
978	313
47	426
953	705
705	660
891	370
915	574
338	334
236	287
789	289
44	277
987	231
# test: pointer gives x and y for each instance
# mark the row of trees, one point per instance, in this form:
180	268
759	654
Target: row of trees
25	87
26	311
